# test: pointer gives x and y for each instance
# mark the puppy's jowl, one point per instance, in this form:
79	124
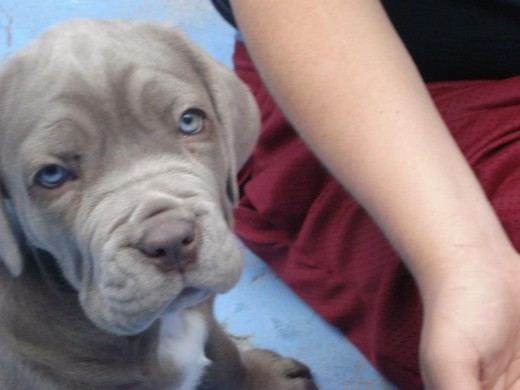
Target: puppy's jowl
120	142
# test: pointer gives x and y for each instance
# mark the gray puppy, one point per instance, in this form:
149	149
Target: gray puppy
120	142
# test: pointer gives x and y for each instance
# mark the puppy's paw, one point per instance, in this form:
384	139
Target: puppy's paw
268	370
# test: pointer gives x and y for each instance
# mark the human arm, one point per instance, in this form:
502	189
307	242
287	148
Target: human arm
344	79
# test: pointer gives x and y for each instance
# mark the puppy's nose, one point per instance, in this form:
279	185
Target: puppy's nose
169	243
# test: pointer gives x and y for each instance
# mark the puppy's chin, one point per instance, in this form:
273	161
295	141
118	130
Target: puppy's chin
187	298
124	320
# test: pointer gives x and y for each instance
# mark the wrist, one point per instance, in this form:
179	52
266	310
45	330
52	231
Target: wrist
461	267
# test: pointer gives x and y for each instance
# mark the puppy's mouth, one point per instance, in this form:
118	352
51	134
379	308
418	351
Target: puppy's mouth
188	297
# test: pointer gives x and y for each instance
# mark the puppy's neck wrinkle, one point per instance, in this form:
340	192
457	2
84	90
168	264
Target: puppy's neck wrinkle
51	272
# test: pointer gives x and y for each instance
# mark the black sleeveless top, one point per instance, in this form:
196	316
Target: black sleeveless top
452	39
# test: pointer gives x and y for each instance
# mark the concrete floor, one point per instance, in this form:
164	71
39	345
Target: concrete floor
261	311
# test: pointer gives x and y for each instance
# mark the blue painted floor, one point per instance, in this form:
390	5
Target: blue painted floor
261	311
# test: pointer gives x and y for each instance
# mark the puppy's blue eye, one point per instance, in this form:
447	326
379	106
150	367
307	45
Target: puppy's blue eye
52	176
192	122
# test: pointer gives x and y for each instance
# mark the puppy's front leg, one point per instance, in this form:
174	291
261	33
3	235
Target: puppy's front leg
250	370
226	370
268	370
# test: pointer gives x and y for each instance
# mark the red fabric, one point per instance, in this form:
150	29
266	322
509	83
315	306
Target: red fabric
299	220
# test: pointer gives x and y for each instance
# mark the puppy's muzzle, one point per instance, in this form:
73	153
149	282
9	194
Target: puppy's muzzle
169	242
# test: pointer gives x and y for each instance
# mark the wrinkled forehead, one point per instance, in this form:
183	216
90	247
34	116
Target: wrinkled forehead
106	69
103	52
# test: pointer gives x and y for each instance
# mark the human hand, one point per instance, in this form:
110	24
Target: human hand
471	334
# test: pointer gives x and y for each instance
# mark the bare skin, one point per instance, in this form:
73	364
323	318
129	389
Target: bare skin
352	91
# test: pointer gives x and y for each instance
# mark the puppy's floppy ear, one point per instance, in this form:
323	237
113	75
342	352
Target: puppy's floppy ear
10	253
238	113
